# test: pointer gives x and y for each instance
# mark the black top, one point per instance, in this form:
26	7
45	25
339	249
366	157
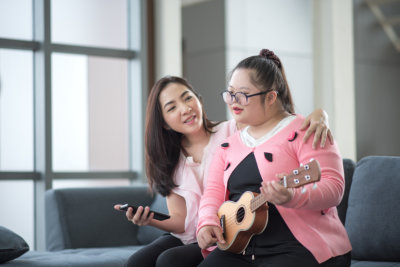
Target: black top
277	238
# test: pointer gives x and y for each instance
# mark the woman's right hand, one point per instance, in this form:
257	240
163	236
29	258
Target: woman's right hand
209	235
141	217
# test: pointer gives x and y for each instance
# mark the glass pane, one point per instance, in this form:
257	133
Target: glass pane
68	183
90	22
17	194
90	113
16	110
16	19
70	116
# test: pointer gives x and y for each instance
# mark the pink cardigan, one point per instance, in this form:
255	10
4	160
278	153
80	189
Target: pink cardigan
311	215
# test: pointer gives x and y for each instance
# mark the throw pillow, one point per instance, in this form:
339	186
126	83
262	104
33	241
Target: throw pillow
11	245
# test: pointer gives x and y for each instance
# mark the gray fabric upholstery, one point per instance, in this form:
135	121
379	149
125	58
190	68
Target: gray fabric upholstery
84	217
146	234
356	263
373	214
83	229
87	257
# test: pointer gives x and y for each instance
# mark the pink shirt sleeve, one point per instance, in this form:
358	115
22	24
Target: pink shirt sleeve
326	193
214	192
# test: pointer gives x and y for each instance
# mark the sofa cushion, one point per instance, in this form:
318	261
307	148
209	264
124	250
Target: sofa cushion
147	234
84	257
356	263
373	216
85	217
11	245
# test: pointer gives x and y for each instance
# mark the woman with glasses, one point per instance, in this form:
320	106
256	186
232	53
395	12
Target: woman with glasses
179	144
298	226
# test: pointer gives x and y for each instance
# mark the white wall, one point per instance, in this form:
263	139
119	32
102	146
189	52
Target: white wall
168	38
314	40
334	70
284	27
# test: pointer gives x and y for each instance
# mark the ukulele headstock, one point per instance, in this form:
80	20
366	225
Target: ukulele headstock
305	174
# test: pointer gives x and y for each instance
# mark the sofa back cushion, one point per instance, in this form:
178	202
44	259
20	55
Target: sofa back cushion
373	214
85	217
146	234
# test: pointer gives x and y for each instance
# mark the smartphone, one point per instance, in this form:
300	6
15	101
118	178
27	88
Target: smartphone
157	215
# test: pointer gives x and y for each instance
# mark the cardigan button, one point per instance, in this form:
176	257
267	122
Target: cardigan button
225	145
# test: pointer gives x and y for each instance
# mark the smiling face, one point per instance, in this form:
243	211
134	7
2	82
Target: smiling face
181	109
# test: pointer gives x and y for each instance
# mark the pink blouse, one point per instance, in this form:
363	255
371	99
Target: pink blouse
191	180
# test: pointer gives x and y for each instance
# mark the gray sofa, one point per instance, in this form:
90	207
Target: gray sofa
372	212
84	230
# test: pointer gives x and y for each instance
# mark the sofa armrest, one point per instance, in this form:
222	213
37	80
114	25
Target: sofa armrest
85	217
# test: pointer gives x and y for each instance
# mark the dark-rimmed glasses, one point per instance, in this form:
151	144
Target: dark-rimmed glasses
241	98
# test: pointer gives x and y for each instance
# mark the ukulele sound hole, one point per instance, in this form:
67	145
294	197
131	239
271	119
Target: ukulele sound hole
240	215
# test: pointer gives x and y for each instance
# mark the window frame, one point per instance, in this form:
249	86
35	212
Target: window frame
42	48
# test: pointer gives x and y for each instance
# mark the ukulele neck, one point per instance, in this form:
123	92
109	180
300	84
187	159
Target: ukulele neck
306	174
257	202
260	200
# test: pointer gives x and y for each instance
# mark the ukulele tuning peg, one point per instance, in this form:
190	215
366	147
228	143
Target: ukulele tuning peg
314	186
303	190
311	159
301	164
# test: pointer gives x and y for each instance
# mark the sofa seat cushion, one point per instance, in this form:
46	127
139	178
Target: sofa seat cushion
373	216
356	263
99	257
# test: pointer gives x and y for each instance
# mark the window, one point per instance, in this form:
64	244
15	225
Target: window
16	110
71	101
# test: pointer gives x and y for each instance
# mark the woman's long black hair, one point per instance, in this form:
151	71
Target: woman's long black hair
163	146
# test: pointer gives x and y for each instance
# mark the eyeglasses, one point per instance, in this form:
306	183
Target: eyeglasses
241	98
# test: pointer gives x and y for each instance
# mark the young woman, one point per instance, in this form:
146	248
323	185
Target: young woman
180	142
303	226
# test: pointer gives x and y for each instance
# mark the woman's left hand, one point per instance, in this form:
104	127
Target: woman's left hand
276	193
317	122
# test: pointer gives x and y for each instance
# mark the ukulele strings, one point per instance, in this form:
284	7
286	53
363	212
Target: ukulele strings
252	207
231	219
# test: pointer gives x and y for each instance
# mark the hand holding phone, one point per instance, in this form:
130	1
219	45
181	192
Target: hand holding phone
157	215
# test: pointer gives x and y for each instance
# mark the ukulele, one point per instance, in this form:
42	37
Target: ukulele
248	216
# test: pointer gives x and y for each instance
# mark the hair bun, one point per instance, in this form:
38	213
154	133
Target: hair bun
270	55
